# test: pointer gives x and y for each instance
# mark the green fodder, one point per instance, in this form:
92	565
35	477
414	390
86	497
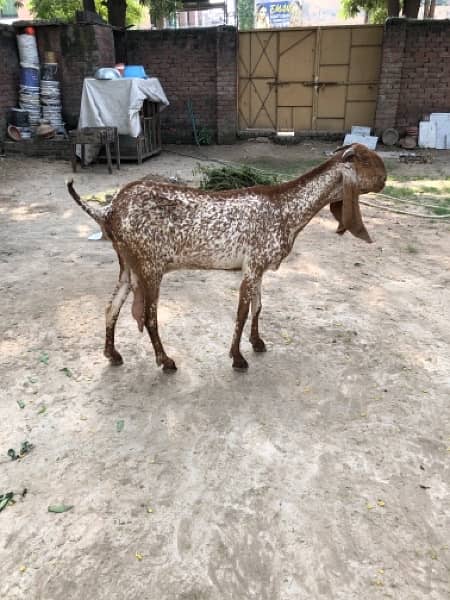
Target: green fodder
233	177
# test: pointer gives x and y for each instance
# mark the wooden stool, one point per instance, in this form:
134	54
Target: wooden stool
95	135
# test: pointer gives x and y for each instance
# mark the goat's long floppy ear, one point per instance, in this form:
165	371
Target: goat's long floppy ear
347	211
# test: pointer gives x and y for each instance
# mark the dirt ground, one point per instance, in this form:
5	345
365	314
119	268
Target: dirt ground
321	473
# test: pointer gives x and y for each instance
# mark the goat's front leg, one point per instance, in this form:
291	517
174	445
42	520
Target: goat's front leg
112	314
151	324
245	294
257	343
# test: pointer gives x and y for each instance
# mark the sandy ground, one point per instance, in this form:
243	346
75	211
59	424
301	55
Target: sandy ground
321	473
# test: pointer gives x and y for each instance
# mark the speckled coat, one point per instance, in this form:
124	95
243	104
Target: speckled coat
156	228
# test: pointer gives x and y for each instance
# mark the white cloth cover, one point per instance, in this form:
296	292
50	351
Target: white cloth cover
117	102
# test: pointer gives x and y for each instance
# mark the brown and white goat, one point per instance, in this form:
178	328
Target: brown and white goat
156	228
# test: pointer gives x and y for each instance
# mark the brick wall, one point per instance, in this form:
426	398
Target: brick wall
415	73
200	65
9	78
80	50
191	64
226	85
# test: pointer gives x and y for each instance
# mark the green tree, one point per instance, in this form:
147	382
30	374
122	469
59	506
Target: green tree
377	11
245	10
9	5
65	9
162	9
55	9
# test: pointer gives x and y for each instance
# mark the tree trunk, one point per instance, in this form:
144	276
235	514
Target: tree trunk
432	7
393	7
426	8
117	10
89	5
411	8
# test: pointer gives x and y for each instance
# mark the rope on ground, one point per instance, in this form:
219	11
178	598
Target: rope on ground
402	212
408	201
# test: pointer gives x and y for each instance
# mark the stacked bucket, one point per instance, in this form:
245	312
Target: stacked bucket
29	99
50	93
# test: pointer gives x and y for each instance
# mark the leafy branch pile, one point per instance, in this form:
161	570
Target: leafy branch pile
233	178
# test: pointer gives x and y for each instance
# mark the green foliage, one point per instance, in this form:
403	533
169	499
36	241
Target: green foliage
233	178
10	4
134	14
162	9
376	9
246	14
205	136
420	190
65	9
55	9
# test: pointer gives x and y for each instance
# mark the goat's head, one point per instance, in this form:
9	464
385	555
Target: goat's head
362	171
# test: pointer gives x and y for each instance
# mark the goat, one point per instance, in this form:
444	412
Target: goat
155	228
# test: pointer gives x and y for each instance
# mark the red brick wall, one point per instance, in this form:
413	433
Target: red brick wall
191	64
226	85
80	50
415	73
9	78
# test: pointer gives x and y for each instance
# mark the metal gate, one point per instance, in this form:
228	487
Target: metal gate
309	79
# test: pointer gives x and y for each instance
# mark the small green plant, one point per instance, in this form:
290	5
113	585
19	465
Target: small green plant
205	136
412	249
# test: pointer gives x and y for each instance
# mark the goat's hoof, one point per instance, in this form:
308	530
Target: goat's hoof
115	359
169	365
240	364
258	345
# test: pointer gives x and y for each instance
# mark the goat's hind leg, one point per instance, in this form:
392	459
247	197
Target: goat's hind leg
245	293
112	314
255	340
151	324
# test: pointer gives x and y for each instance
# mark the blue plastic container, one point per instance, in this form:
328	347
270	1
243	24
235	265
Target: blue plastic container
29	76
135	71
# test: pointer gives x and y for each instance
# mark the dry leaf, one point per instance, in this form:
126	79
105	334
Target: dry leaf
139	556
44	358
286	337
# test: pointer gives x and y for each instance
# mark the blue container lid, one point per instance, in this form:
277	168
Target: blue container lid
135	71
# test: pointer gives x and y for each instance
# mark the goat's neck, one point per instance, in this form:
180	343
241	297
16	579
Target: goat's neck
306	196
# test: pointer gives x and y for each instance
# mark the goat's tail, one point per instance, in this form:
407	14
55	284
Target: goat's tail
95	213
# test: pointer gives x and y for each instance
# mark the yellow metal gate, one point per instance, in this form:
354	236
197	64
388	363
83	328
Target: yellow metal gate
309	79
